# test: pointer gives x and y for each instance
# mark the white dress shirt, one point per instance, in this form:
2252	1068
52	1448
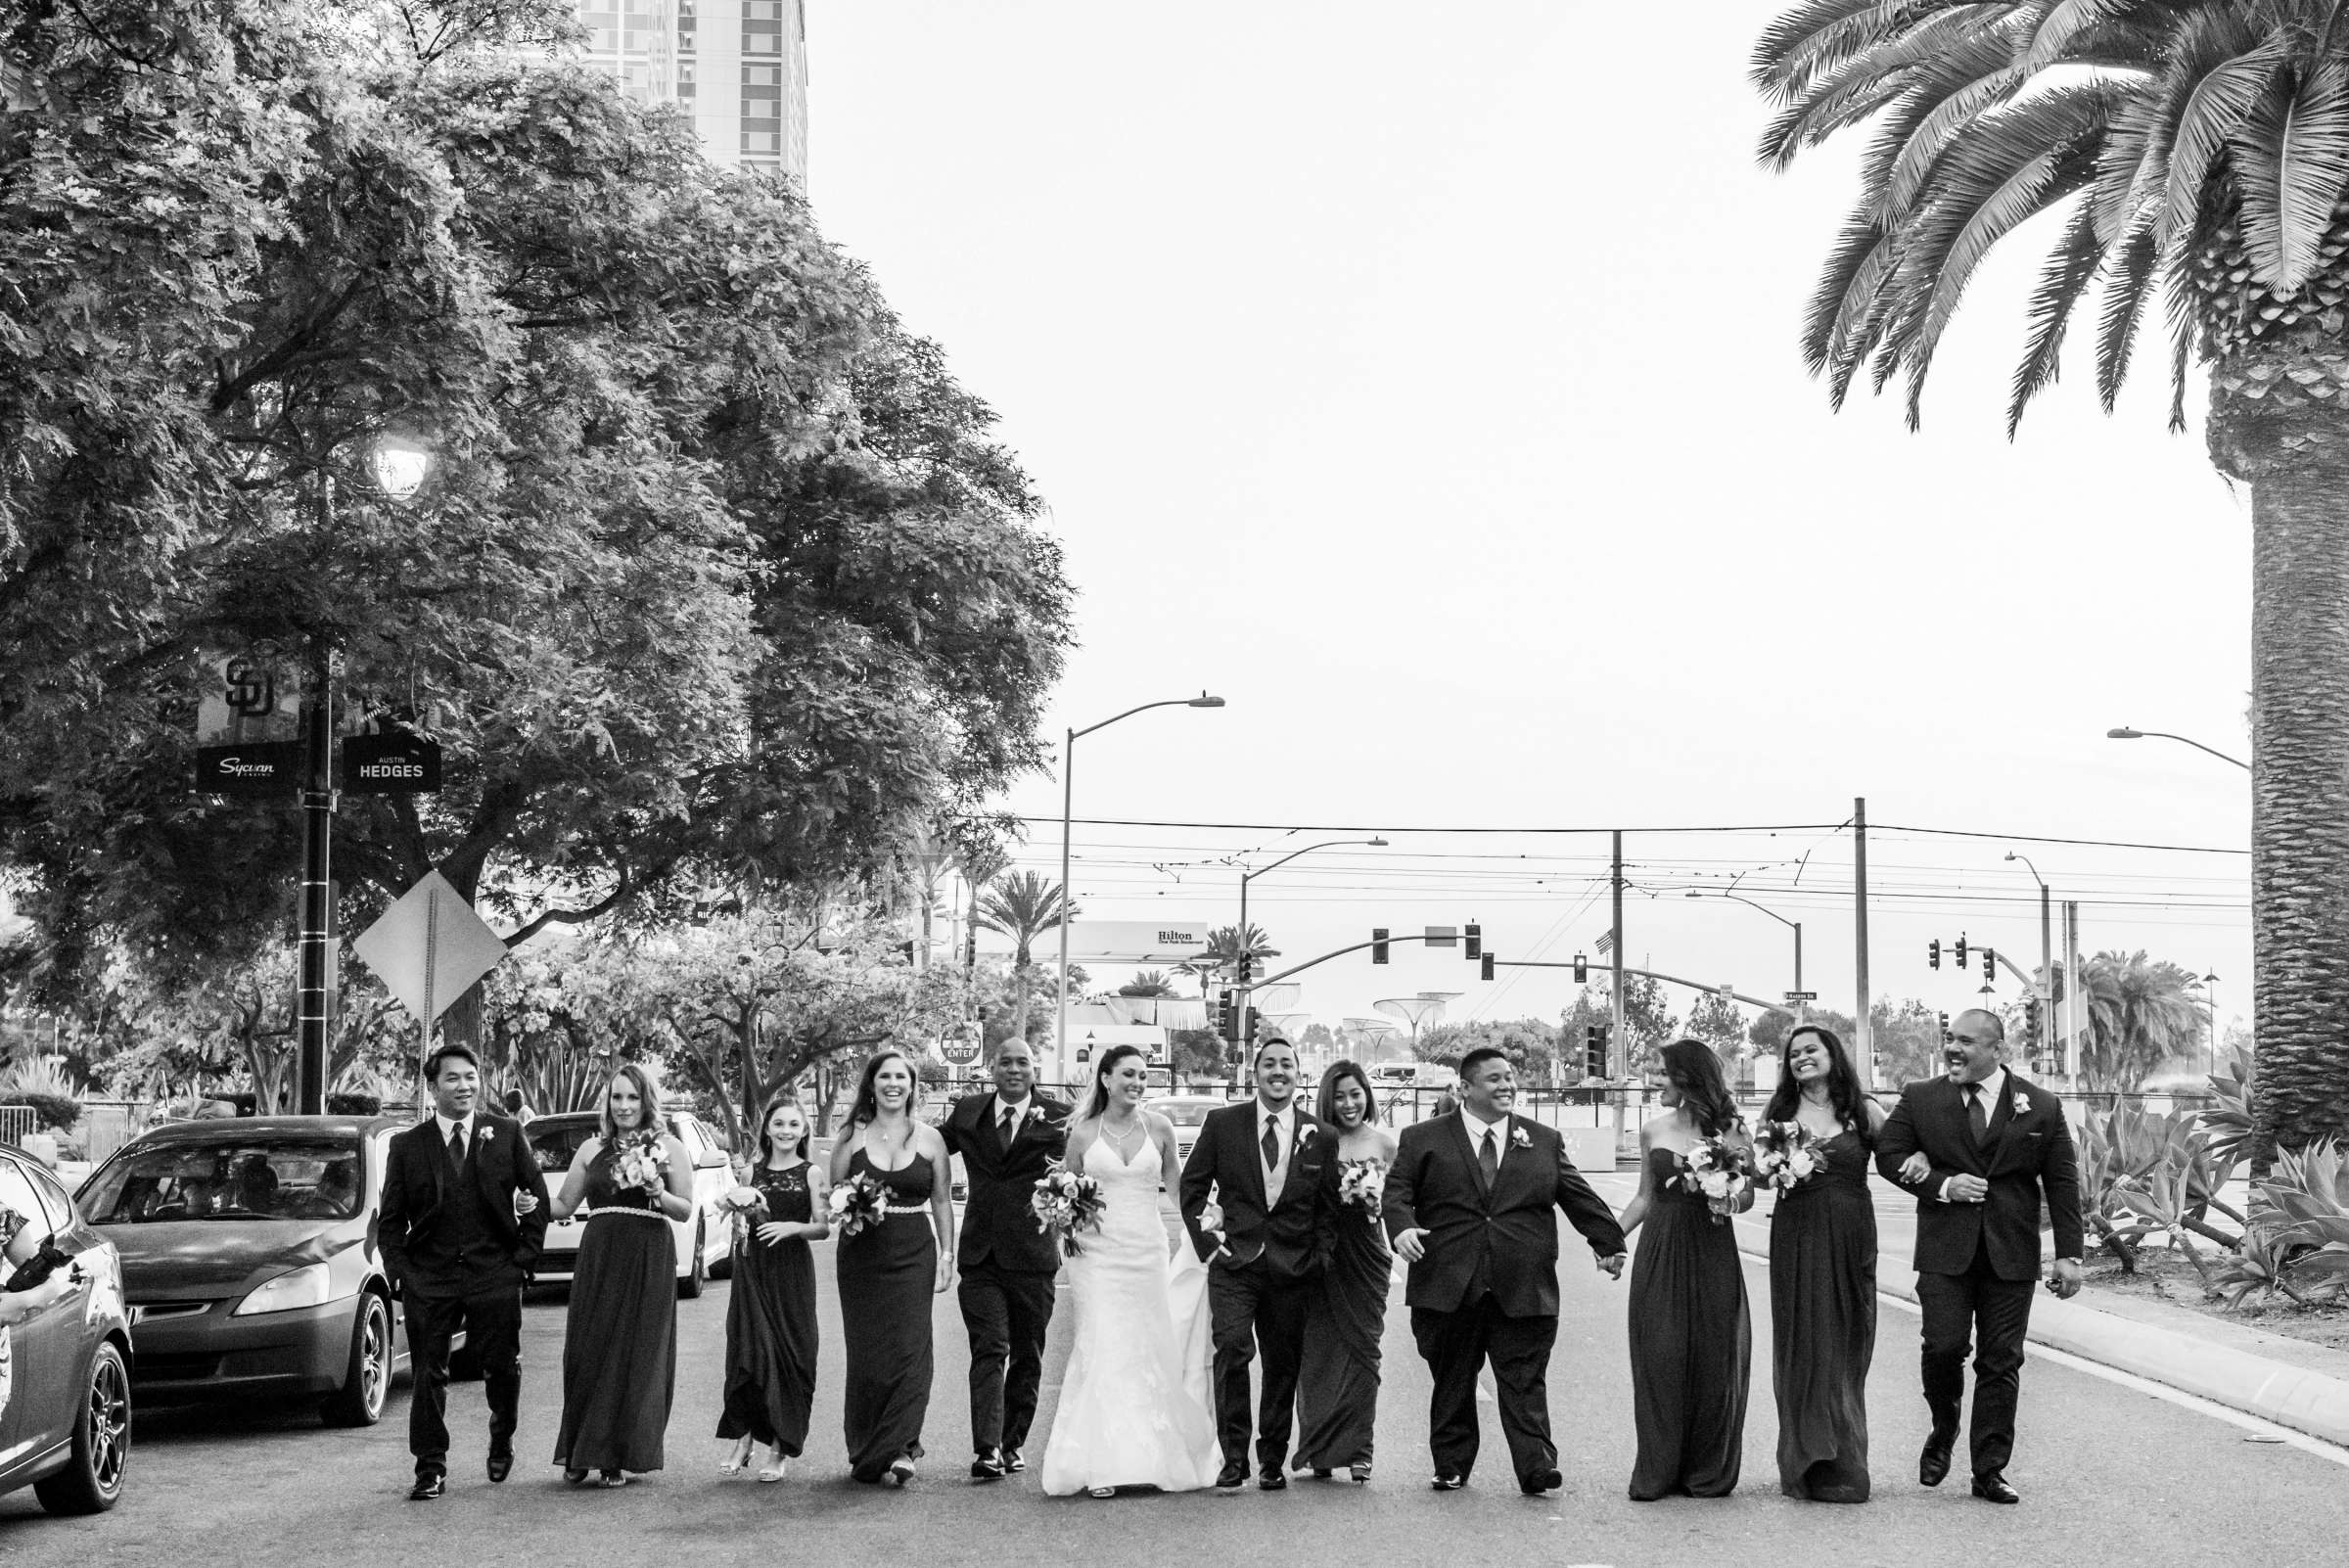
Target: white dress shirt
1284	1132
1477	1127
1989	1089
1019	1110
463	1123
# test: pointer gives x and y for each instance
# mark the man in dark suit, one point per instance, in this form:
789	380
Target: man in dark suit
1009	1266
1262	1159
1978	1147
1467	1205
464	1216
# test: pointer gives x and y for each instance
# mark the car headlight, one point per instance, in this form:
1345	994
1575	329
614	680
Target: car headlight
307	1286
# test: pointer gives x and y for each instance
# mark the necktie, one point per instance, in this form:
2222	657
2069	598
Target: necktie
1011	1120
1488	1158
456	1149
1976	1117
1271	1143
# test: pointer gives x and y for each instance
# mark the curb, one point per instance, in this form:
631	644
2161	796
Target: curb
2293	1396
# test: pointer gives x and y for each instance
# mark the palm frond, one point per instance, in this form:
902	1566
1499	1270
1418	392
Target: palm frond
2179	301
2216	108
1828	319
2064	26
2065	277
1940	108
1864	83
2291	163
2128	269
1814	39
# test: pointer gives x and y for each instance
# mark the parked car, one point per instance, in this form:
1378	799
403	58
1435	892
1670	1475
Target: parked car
1187	1112
250	1259
65	1375
704	1242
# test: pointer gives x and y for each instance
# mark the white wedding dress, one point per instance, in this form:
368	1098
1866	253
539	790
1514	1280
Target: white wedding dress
1132	1410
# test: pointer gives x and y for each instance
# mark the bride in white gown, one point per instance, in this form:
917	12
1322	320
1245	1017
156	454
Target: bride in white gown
1132	1410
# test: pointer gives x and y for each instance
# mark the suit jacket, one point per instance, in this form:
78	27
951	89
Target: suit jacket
414	1228
997	1223
1292	1229
1503	1235
2027	1151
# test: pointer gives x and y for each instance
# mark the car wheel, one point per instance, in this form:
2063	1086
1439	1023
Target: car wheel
696	1275
367	1374
92	1480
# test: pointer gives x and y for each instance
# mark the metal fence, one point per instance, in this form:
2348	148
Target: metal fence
17	1124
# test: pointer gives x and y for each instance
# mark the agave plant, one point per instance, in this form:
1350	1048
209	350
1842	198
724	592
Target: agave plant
2195	152
2228	1124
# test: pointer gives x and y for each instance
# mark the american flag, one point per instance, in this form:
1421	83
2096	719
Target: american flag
1606	942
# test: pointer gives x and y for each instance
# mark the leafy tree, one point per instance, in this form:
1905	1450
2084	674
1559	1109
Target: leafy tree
2197	151
1316	1036
1024	907
1223	950
1195	1052
718	577
1721	1024
1908	1042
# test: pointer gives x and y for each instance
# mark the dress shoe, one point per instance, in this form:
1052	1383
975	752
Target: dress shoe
428	1486
1449	1483
501	1461
986	1467
1014	1460
1933	1465
1270	1479
1540	1481
1231	1478
1993	1488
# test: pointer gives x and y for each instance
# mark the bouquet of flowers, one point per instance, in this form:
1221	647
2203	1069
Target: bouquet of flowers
643	1161
1066	1203
746	1206
1785	1154
857	1203
1363	1185
1719	1172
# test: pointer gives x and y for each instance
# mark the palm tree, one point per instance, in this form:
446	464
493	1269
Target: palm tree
1022	907
1148	982
1224	953
2198	149
2139	1016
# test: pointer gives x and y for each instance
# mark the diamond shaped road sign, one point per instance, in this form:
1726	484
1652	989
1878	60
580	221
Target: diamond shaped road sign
428	948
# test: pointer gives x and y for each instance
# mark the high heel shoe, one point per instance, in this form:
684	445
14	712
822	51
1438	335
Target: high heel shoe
773	1470
737	1462
1360	1474
612	1478
901	1471
574	1477
1101	1492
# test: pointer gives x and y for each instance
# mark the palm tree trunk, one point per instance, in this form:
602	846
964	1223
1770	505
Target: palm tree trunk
2294	450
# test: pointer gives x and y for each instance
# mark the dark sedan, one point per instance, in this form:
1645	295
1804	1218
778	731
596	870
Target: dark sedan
250	1259
65	1392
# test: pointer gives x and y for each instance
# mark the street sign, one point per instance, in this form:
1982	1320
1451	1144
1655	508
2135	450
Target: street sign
1124	941
261	768
1441	936
1728	993
958	1052
395	762
248	726
1802	996
428	948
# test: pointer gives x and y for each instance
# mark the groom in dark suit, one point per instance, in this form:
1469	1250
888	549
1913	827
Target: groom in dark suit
1467	1205
1978	1148
1008	1265
464	1216
1263	1159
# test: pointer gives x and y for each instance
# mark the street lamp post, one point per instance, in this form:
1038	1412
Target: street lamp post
1068	797
1775	916
2046	952
2210	999
1240	943
2125	733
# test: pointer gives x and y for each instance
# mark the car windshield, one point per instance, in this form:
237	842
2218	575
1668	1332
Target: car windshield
232	1178
1185	1113
556	1140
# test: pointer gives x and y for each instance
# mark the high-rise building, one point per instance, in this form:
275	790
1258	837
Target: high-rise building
738	66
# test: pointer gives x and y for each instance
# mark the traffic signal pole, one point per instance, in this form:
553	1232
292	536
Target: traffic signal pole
1620	1057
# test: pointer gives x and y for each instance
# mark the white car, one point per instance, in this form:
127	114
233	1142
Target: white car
1187	1112
704	1242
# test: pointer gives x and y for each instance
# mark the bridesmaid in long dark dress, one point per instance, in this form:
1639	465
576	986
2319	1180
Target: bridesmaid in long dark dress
1337	1383
620	1338
1822	1275
889	1272
1691	1336
770	1307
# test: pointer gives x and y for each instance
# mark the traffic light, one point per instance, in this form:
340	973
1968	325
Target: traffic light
1945	1029
1227	1018
1473	942
1252	1022
1594	1051
1582	970
1378	945
1933	954
1246	968
1990	964
2031	1023
1959	952
1487	970
970	950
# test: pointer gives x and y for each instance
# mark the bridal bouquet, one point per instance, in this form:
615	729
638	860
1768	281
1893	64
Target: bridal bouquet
745	1207
1363	1185
643	1162
1066	1203
1785	1154
1719	1172
857	1203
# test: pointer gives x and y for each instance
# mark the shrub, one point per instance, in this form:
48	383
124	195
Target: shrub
55	1112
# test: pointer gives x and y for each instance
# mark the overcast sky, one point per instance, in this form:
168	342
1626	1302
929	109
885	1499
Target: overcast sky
1424	382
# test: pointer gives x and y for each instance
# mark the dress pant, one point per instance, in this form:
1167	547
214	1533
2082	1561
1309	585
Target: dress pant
1006	1311
1992	1313
1456	1346
1252	1308
492	1323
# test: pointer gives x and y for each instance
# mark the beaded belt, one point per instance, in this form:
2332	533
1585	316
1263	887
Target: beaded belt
641	1214
906	1208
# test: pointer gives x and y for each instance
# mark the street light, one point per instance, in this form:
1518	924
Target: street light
2210	999
1240	940
2125	733
1775	916
2046	949
1068	795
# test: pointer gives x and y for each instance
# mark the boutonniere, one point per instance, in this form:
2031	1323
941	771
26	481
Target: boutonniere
487	1133
1305	1136
2022	1102
1519	1138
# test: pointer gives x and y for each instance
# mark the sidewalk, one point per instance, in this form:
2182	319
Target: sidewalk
2287	1381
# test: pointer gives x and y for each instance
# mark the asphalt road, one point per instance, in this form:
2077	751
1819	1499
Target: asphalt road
2109	1474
